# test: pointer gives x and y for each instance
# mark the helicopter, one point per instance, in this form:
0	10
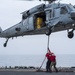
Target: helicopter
43	19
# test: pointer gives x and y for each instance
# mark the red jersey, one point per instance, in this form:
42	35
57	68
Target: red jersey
48	55
53	58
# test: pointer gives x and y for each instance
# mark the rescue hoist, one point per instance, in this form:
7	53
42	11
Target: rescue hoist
47	51
48	42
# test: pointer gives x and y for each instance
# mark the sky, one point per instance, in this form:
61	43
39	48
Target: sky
10	14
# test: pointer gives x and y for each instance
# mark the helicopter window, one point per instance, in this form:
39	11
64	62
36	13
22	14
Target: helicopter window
63	10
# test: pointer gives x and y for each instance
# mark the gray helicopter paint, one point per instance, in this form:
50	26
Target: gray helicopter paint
27	25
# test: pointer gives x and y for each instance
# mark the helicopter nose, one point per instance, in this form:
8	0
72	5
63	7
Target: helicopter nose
73	15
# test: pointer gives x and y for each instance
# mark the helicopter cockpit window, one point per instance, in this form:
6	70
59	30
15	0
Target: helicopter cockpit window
63	10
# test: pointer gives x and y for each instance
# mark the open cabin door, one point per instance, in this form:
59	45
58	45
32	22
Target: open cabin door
28	24
31	23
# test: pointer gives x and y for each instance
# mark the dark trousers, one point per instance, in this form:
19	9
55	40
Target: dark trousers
54	65
48	69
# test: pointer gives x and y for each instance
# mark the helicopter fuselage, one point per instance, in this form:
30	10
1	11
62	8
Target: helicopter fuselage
41	19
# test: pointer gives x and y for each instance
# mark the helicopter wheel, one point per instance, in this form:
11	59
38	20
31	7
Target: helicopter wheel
70	34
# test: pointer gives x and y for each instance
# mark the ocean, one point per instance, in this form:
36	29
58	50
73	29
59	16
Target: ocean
63	60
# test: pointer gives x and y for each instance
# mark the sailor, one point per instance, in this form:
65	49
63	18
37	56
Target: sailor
53	61
48	64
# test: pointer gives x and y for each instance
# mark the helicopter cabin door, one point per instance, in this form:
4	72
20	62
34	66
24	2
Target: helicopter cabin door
54	17
57	12
51	15
48	14
30	23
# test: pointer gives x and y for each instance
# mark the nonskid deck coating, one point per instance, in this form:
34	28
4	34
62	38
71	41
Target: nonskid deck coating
31	72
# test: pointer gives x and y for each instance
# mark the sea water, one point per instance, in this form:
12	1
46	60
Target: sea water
63	60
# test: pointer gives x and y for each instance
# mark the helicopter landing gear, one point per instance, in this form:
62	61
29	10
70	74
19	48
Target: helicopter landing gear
70	34
5	44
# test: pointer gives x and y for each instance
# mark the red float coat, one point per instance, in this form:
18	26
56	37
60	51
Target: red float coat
48	55
53	58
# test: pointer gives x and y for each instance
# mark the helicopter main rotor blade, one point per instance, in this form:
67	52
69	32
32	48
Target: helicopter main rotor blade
37	0
49	1
25	0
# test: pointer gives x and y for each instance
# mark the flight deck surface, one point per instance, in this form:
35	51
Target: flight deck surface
32	72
